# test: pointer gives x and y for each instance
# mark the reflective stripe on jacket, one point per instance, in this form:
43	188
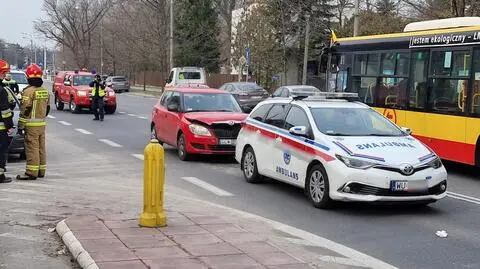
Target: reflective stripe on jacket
33	108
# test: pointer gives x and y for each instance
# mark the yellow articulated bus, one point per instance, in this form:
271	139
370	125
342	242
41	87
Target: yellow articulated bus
426	78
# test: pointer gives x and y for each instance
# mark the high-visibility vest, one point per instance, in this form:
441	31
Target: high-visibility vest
101	92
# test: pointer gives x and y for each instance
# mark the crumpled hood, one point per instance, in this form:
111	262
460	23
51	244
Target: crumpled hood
212	117
388	150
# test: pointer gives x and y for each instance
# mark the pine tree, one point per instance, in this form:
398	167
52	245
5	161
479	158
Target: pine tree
196	32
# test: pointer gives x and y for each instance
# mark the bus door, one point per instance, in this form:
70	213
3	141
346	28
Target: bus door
473	122
449	84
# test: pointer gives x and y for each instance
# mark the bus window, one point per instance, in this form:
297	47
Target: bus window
418	90
365	87
392	88
476	83
447	95
449	72
366	64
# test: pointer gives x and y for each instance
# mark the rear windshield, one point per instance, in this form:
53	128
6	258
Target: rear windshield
20	78
249	87
82	80
119	79
189	75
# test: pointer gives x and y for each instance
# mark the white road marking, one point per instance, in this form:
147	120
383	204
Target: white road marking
143	118
110	143
83	131
207	186
122	112
132	115
64	123
463	197
51	117
138	156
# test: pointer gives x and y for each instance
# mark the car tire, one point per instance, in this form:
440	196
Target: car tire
318	188
249	166
59	104
182	148
153	134
73	107
110	110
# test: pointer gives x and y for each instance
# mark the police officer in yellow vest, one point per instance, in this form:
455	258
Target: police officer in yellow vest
10	83
34	108
97	94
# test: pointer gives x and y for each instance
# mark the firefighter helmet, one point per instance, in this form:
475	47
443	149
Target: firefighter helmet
34	71
4	66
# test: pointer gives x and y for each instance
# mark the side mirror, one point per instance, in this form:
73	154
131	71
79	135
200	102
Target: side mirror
246	109
173	107
67	83
299	130
406	130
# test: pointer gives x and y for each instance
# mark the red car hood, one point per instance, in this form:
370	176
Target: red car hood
212	117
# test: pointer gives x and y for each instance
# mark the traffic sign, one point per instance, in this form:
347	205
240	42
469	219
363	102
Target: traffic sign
247	55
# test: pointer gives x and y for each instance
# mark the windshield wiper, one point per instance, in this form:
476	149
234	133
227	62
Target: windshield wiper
381	135
339	134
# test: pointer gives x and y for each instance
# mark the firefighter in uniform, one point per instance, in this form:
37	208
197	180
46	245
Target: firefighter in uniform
6	123
34	108
97	95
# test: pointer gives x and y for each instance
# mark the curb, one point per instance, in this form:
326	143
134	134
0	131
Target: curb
74	246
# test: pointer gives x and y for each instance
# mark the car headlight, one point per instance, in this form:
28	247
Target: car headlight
199	130
435	163
355	163
82	93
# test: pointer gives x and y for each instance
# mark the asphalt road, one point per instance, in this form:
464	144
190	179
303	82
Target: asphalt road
104	158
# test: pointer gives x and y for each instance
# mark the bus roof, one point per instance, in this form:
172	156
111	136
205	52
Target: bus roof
442	24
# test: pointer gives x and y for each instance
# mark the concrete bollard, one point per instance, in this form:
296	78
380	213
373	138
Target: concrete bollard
153	214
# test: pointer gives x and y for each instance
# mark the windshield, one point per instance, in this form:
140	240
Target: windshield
210	102
189	75
82	80
249	87
20	78
119	79
353	122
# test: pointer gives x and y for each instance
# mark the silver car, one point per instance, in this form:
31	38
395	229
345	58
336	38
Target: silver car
293	90
118	83
248	94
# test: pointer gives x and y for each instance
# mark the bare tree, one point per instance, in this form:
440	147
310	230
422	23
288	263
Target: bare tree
224	9
71	23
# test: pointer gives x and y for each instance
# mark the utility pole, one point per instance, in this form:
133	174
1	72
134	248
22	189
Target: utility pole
356	18
171	35
101	47
305	54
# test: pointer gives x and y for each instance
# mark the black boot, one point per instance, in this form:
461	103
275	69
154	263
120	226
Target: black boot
26	177
4	179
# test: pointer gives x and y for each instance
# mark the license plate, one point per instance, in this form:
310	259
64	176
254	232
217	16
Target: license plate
399	185
230	142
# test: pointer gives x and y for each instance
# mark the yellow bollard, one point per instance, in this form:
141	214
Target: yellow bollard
153	186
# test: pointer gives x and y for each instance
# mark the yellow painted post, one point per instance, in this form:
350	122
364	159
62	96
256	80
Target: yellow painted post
153	186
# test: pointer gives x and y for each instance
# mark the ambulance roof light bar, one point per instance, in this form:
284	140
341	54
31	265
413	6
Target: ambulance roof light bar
348	96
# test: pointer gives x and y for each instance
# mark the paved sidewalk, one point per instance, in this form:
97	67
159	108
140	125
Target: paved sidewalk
191	241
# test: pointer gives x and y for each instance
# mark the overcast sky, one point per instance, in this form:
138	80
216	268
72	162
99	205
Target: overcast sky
18	17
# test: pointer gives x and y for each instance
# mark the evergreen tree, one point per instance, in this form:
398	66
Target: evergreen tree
196	32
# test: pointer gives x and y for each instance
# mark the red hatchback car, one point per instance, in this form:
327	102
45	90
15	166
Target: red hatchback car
197	121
